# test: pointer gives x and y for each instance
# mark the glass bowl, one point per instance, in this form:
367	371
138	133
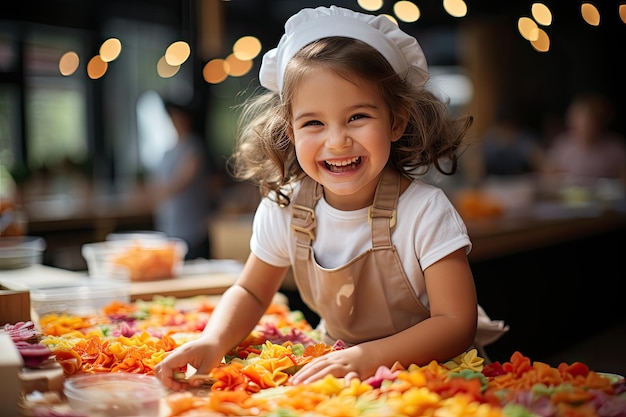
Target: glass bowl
114	394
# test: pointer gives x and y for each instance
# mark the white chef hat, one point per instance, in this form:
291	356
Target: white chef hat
400	49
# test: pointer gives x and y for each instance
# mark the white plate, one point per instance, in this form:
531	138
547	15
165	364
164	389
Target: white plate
613	377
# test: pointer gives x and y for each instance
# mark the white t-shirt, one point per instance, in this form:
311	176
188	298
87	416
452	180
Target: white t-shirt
428	228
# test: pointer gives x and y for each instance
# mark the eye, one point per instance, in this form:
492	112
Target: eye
311	123
358	116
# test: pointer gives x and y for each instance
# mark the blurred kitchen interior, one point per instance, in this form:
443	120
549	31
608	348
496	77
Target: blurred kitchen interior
80	145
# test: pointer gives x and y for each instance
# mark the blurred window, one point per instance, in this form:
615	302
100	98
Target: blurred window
49	121
10	148
55	120
9	125
55	105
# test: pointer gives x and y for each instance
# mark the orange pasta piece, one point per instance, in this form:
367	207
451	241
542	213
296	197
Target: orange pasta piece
69	360
316	350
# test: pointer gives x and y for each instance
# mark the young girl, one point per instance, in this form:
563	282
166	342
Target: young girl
335	147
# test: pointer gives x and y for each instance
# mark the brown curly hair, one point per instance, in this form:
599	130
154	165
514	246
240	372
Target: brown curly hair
265	155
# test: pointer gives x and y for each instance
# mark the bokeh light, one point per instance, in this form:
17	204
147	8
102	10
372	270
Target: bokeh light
166	70
455	8
237	67
68	64
247	48
541	13
110	49
590	14
370	5
215	71
177	53
542	43
406	11
96	68
528	28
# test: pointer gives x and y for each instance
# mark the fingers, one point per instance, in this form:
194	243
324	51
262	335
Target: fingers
166	376
318	369
350	376
166	369
192	357
307	372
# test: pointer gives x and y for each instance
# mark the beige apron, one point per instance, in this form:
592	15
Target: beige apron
368	298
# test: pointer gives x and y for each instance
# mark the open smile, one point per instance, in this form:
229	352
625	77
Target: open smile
345	165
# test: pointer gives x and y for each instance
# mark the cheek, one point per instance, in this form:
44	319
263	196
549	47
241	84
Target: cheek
305	151
301	148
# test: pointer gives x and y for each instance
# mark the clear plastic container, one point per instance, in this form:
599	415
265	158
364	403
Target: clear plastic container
21	251
86	297
115	394
136	259
136	235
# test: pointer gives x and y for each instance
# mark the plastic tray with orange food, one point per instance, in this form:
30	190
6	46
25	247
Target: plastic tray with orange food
135	258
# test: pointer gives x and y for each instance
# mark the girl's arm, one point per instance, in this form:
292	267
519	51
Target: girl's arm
237	313
447	333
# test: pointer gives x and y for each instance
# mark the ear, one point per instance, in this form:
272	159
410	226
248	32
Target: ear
399	124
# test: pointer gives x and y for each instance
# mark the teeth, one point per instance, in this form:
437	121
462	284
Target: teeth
343	166
344	162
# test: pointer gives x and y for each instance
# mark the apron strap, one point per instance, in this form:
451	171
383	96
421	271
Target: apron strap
303	222
382	213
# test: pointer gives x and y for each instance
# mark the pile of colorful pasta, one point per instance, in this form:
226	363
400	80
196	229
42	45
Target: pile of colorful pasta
254	378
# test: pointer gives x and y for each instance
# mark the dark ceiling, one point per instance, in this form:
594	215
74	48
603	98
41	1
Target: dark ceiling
88	14
580	57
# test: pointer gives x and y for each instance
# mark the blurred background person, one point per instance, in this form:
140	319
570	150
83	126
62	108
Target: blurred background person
180	186
510	147
588	150
511	155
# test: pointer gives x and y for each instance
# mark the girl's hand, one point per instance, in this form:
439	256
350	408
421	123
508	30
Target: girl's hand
202	353
346	363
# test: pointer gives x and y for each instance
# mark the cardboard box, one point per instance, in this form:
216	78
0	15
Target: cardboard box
14	305
10	364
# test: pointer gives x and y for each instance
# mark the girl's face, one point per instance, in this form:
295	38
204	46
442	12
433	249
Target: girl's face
342	134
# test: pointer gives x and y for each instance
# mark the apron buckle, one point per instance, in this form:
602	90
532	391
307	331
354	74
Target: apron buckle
307	219
382	213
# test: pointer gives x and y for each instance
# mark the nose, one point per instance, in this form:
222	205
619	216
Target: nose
338	138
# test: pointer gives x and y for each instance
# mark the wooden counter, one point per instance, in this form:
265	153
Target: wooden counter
184	286
66	223
188	284
498	237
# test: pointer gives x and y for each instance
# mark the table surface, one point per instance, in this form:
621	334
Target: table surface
547	225
539	224
201	277
491	238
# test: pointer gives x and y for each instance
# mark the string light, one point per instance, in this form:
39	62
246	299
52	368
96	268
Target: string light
541	14
247	48
96	68
215	71
177	53
455	8
110	49
68	64
406	11
166	70
590	14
